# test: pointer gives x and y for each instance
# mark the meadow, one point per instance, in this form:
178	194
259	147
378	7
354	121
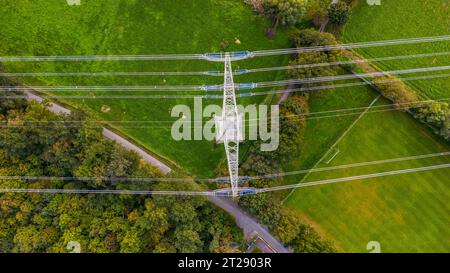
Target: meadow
402	19
139	27
405	213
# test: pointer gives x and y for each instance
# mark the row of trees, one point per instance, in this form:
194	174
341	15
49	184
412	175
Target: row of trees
35	142
285	224
395	90
435	114
294	12
304	60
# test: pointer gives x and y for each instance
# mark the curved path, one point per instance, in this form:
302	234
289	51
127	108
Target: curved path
265	241
57	109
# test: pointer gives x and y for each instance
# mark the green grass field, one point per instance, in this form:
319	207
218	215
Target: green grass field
139	27
406	212
400	19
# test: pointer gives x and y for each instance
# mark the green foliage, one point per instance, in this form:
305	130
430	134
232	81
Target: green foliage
99	223
285	12
187	240
292	126
436	114
264	206
311	38
308	241
339	13
395	90
301	237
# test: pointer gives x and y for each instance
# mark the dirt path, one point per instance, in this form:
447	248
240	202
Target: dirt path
286	93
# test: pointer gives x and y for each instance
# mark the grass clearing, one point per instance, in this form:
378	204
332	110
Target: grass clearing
400	19
405	213
138	27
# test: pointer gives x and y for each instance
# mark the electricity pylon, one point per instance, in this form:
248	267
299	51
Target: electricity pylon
228	126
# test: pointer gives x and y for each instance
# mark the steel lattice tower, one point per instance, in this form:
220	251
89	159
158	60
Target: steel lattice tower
228	126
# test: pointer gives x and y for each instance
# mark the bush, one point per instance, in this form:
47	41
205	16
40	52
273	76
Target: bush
338	13
284	12
436	114
301	237
395	90
311	37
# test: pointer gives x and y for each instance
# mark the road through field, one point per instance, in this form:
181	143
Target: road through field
57	109
267	242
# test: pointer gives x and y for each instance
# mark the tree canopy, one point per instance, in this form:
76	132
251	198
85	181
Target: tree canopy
98	223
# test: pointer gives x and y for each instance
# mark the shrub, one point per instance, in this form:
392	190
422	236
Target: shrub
436	114
395	90
338	13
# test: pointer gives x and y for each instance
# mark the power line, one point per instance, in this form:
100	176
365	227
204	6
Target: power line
404	105
73	58
324	87
241	86
218	73
350	76
211	193
219	96
352	178
117	88
346	166
222	179
241	55
115	192
109	179
349	46
103	74
6	126
312	65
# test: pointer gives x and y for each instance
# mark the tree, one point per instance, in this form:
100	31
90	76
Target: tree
187	240
308	64
395	90
338	13
436	114
303	69
311	38
99	223
284	12
308	241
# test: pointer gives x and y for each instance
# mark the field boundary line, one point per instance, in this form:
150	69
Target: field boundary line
334	145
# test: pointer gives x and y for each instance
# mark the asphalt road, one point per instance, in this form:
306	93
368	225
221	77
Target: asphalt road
57	109
266	242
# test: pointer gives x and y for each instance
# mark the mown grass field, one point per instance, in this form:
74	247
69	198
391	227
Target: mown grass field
401	19
139	27
405	213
